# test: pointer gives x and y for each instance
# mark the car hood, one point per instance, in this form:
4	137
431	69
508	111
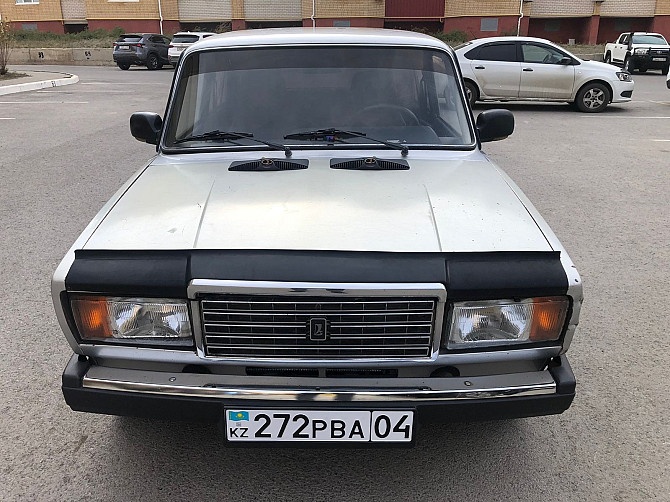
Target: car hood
597	65
462	204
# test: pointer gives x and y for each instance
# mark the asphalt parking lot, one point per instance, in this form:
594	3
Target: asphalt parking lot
601	181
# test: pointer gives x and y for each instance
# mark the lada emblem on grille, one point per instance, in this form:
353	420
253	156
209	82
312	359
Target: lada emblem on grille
318	329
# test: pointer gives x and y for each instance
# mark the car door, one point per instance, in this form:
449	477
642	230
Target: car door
497	69
542	75
620	48
160	46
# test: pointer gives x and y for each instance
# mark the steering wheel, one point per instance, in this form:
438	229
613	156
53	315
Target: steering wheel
385	113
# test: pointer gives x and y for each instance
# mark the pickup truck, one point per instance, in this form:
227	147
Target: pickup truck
319	252
639	51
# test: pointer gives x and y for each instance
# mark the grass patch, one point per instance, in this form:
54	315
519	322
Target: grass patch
11	75
88	39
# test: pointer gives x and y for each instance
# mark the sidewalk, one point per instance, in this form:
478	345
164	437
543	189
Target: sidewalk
36	80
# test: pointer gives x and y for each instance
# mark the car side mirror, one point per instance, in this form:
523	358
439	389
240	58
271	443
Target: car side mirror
565	61
494	125
146	126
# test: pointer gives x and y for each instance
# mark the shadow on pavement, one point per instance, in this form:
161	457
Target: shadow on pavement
449	460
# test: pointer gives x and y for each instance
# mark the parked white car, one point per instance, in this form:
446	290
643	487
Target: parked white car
639	51
182	40
524	68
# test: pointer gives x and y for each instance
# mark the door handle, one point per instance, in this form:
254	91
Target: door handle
480	67
527	69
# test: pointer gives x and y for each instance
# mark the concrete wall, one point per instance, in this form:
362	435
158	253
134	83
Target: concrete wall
96	57
73	10
260	10
205	10
561	8
331	9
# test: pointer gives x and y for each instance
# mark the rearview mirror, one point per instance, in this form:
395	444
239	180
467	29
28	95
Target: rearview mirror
494	125
146	126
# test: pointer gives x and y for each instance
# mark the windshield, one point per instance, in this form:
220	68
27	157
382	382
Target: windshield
402	95
185	39
649	39
130	38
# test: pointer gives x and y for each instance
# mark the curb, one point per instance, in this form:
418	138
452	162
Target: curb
33	86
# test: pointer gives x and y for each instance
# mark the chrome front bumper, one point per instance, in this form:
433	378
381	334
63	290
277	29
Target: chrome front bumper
328	389
174	395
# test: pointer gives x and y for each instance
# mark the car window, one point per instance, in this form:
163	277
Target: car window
157	40
185	39
533	53
400	94
497	52
129	38
624	39
649	39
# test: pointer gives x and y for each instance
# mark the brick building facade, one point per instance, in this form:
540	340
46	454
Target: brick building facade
585	21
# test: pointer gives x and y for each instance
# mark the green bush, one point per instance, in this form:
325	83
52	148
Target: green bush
86	38
452	37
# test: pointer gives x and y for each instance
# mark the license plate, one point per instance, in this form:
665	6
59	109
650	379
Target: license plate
124	48
319	425
658	59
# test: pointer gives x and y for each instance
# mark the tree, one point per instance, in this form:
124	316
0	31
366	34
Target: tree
5	44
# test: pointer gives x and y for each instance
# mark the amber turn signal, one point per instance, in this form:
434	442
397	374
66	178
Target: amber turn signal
91	317
548	319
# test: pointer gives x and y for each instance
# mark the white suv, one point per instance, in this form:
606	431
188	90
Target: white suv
181	41
523	68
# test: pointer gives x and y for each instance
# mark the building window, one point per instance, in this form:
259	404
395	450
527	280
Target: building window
25	2
342	23
489	24
552	25
29	26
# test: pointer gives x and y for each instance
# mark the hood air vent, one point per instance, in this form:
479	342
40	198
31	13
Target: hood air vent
268	165
369	164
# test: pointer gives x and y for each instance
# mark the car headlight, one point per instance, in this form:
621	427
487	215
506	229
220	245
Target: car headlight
623	76
147	321
506	322
641	51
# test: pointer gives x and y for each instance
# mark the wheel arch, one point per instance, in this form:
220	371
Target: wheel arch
595	81
473	82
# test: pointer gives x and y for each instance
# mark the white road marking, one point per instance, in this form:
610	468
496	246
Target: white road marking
627	117
43	102
7	118
123	83
661	140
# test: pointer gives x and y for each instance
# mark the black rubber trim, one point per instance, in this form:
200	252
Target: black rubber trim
369	164
211	409
466	276
562	372
267	164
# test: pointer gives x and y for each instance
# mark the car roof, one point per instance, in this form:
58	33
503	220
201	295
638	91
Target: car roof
194	33
318	36
646	33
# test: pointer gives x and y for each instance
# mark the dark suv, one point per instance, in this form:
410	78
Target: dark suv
148	49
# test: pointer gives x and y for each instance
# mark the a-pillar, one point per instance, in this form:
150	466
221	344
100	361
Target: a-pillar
237	20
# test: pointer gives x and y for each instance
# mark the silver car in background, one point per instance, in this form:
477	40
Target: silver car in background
182	40
525	68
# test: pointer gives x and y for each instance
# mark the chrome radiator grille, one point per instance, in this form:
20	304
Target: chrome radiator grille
260	326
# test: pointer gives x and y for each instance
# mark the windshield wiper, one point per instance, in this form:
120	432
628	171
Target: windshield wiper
231	136
339	135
